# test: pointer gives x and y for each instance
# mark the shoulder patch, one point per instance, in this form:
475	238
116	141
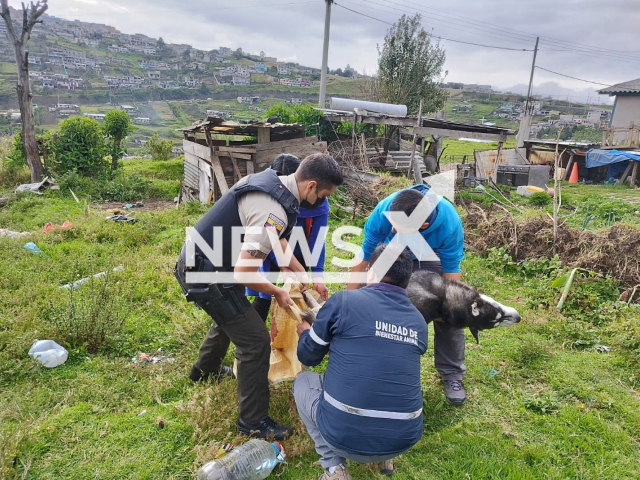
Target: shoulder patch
275	222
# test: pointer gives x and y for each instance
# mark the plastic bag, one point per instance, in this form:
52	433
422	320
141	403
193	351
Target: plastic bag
49	353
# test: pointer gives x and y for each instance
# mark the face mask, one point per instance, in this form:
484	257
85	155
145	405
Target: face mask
310	206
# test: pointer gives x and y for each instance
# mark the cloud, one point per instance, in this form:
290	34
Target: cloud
575	34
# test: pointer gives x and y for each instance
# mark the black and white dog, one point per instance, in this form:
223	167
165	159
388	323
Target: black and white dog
457	304
440	299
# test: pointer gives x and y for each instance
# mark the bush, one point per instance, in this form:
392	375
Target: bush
540	199
160	149
80	146
91	316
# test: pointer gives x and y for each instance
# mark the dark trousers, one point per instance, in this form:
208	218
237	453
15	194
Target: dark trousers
253	348
448	343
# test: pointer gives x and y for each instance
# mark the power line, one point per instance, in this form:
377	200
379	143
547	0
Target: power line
491	32
574	78
465	28
513	37
530	36
437	36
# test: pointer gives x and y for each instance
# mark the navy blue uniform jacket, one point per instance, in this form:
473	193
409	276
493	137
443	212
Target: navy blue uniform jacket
375	338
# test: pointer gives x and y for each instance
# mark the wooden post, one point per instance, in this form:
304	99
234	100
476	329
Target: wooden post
251	166
415	165
217	174
494	175
364	150
236	170
626	173
264	135
567	172
353	136
634	173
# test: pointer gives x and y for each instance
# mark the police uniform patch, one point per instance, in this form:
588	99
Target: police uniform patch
274	222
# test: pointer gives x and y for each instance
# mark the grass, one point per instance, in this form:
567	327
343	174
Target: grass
552	411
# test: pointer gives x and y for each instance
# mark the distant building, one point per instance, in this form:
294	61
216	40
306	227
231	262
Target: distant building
252	99
154	75
240	80
295	101
283	70
95	116
129	109
260	67
142	120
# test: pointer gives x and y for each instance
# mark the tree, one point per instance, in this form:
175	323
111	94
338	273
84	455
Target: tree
186	55
410	67
117	125
160	149
79	146
30	16
160	45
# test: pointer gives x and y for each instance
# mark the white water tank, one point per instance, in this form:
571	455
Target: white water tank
348	105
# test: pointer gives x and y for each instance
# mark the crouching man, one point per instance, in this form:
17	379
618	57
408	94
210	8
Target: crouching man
367	407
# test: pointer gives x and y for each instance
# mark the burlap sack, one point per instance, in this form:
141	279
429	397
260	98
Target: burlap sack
284	364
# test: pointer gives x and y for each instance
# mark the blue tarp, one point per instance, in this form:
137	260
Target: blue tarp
616	159
599	158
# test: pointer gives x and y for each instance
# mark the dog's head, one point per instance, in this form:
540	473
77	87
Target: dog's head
485	313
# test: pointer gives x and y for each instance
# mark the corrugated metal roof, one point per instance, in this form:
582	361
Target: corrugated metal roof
632	86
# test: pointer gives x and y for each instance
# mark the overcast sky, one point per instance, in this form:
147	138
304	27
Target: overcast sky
604	40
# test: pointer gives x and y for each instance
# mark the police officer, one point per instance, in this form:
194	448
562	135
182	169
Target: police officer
271	203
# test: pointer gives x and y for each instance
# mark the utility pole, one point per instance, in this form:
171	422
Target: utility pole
525	123
325	56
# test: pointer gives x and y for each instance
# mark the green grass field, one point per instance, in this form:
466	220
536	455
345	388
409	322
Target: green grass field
541	404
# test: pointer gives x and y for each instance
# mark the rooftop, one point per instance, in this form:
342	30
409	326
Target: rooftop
632	86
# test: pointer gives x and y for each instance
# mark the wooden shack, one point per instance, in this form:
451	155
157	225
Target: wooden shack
218	153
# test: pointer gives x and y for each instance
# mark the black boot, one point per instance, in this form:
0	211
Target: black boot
198	375
267	429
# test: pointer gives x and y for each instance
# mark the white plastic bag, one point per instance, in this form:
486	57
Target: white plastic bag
49	353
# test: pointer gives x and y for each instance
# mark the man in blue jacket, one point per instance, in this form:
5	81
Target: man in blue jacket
438	248
368	405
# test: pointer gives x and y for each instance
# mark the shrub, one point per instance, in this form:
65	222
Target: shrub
540	199
91	316
80	146
160	148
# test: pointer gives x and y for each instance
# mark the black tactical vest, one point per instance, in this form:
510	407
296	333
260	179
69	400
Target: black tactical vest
224	212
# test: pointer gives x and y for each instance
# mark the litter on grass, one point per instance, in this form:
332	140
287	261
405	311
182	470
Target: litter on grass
602	348
33	248
158	357
48	353
38	187
75	285
50	227
5	232
122	218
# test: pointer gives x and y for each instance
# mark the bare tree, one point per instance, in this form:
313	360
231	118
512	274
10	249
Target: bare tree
30	16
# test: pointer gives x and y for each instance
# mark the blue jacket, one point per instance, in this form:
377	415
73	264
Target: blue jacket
318	218
444	234
374	337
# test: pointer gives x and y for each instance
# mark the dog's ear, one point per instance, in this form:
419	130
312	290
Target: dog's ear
475	332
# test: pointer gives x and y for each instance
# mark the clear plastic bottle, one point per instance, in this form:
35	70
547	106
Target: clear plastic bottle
253	460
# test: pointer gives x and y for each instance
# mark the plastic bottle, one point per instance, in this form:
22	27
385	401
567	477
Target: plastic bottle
253	460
